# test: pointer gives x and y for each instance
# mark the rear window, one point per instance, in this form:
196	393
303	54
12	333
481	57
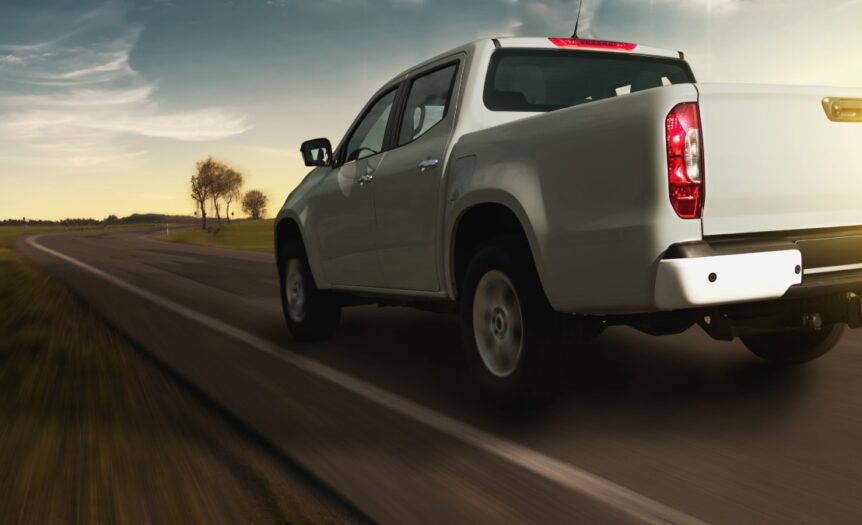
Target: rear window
536	81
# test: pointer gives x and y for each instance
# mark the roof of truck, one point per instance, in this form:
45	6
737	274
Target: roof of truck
574	44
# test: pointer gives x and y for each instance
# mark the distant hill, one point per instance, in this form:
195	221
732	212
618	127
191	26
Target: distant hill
135	218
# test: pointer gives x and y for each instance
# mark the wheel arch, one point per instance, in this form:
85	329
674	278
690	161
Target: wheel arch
288	227
479	223
286	230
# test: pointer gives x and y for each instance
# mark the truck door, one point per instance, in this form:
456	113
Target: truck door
407	186
344	207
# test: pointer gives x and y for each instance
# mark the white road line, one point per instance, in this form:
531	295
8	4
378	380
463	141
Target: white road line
569	476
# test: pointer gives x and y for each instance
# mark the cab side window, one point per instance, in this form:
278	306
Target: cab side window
427	103
368	137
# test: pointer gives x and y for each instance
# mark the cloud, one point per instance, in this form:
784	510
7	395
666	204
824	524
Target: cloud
749	41
547	17
558	17
11	59
76	96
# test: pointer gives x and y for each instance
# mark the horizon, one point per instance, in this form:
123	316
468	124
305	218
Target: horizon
4	221
105	106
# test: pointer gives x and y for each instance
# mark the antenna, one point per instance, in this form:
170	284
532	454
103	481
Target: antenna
578	19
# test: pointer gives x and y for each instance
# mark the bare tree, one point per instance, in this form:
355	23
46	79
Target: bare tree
202	185
233	182
254	204
220	187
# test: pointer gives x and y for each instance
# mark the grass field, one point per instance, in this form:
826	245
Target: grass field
239	235
90	432
66	442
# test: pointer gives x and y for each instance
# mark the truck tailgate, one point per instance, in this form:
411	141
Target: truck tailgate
776	162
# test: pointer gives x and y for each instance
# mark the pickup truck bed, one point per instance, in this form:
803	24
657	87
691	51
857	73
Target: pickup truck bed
590	183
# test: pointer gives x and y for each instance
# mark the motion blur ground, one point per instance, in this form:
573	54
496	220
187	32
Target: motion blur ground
697	426
91	432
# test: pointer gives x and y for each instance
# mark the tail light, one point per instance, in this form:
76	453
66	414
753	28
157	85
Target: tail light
595	45
685	160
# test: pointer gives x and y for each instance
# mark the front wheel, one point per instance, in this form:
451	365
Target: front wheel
509	331
310	313
794	347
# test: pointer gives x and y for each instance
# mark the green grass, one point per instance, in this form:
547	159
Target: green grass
74	445
239	235
90	433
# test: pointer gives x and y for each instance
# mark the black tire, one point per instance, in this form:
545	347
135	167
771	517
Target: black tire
320	315
539	370
794	347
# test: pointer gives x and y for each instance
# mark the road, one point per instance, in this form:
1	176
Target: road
675	429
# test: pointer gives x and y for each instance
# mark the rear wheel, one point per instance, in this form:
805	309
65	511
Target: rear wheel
510	332
311	314
794	347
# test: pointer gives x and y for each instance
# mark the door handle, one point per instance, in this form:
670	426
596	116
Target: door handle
428	164
366	179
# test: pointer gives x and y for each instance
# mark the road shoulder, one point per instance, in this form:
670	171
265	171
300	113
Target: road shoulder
93	431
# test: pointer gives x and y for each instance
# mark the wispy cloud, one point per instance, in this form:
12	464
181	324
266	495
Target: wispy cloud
558	17
76	97
11	59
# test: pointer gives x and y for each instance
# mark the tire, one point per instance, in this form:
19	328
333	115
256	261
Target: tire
510	333
311	314
794	347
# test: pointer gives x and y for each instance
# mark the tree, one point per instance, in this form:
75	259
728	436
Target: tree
220	186
202	185
254	204
217	189
214	183
233	182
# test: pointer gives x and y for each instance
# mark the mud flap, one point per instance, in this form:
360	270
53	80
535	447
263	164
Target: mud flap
854	310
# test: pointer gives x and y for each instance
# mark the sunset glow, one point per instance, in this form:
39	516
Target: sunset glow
106	106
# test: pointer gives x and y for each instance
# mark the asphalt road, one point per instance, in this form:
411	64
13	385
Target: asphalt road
673	429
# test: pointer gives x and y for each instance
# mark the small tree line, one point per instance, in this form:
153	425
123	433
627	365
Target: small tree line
135	218
215	184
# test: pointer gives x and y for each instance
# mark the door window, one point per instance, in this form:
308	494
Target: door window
427	103
368	137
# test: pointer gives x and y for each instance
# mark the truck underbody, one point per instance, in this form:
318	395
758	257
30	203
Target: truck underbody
828	291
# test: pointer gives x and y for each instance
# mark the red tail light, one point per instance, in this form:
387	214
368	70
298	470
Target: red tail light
598	45
685	160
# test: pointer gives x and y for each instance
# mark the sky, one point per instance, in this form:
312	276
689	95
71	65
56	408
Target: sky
106	105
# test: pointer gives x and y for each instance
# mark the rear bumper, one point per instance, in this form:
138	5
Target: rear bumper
694	282
760	267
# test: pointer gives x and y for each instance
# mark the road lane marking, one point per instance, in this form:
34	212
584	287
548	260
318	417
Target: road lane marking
569	476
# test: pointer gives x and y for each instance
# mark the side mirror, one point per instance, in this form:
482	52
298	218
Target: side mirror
317	152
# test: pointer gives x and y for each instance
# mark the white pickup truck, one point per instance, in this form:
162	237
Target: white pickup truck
546	188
